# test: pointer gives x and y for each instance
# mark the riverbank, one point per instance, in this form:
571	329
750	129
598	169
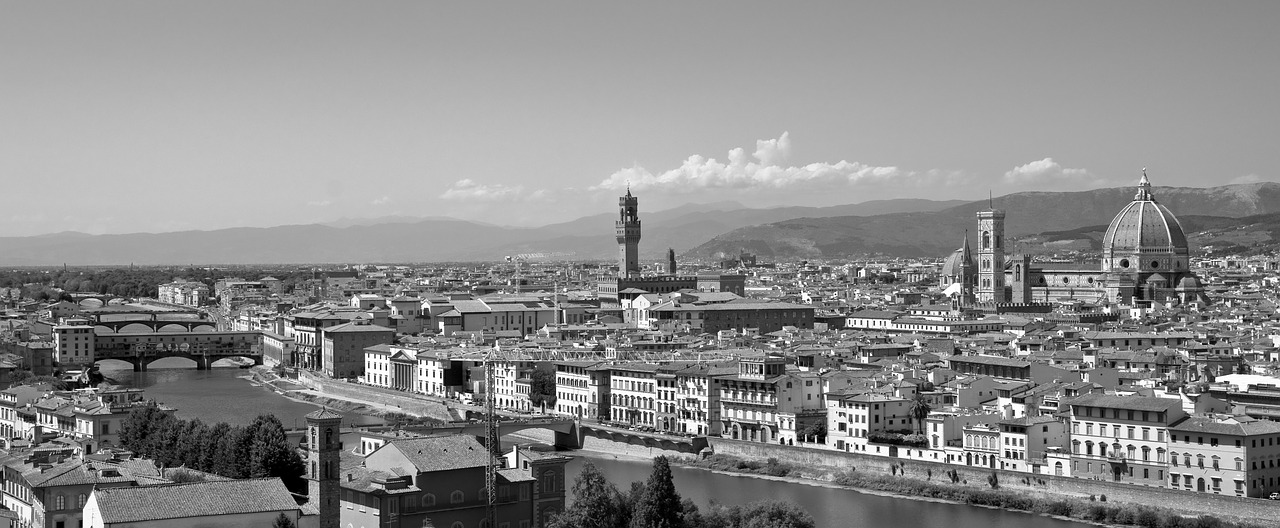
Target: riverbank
949	488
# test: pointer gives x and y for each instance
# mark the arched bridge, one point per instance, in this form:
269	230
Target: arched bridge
140	349
569	433
133	320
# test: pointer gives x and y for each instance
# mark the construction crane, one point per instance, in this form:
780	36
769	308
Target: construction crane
491	437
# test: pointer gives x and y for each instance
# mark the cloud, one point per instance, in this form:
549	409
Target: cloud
1247	178
470	190
1047	172
320	203
381	201
767	168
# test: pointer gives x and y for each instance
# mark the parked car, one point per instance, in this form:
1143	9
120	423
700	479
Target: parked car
1274	496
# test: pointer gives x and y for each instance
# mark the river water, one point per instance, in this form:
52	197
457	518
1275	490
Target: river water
224	395
215	395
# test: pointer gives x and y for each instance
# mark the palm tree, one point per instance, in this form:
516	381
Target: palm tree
920	410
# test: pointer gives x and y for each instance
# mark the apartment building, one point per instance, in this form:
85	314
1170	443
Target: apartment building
574	381
1122	438
1229	455
633	393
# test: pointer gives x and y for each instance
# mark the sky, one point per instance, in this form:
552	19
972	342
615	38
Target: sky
125	116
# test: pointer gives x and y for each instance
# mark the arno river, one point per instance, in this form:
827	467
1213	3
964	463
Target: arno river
221	394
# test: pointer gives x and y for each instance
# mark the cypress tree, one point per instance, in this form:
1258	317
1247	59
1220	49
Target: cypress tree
659	505
597	503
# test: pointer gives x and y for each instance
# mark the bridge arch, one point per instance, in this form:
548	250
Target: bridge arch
135	328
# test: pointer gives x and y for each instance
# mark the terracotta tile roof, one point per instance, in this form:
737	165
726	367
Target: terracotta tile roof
195	499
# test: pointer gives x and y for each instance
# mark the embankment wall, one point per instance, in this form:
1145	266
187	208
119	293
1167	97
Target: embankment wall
406	402
1191	503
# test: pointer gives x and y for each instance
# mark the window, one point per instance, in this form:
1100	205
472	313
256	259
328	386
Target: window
428	500
60	503
80	501
455	497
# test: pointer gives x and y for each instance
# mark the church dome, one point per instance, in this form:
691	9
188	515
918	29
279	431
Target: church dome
954	264
958	261
1142	232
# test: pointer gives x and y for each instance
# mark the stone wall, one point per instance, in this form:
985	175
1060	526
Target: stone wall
600	445
1191	503
404	401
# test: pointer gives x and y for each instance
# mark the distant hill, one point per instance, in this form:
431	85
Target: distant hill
1054	214
413	239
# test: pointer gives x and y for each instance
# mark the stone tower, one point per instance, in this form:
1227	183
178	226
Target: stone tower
628	236
324	449
990	286
671	261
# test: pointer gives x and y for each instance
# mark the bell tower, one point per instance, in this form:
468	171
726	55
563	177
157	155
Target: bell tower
324	449
990	287
628	236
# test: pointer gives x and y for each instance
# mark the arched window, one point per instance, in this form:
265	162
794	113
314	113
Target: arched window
428	500
456	524
80	500
986	240
60	503
455	497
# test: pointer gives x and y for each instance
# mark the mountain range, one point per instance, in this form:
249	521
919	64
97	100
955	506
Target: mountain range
415	239
902	227
936	233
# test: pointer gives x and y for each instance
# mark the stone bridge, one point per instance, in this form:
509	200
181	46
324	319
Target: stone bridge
204	348
568	435
116	319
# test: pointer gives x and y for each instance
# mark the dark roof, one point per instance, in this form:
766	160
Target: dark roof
1132	403
194	499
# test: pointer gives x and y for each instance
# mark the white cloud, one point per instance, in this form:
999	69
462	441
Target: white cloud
766	169
470	190
381	201
1247	178
320	203
1046	173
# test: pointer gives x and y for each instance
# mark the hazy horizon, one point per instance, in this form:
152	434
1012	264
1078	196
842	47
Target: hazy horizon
137	116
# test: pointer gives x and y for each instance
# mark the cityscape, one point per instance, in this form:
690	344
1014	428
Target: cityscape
414	265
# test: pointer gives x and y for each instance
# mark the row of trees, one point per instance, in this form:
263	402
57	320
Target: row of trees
257	450
656	504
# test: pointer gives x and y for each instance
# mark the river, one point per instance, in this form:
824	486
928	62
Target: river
216	395
224	395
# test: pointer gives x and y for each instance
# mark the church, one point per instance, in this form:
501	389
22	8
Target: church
1145	259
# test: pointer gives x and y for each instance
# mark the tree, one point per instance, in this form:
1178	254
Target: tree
597	503
760	514
283	521
920	410
542	388
659	505
775	514
271	455
816	430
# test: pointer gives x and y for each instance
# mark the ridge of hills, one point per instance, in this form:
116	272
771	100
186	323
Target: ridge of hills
937	233
415	239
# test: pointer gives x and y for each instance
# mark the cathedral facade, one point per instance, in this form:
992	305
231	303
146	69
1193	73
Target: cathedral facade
1145	259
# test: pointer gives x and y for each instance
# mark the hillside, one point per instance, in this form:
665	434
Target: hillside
410	239
1050	217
